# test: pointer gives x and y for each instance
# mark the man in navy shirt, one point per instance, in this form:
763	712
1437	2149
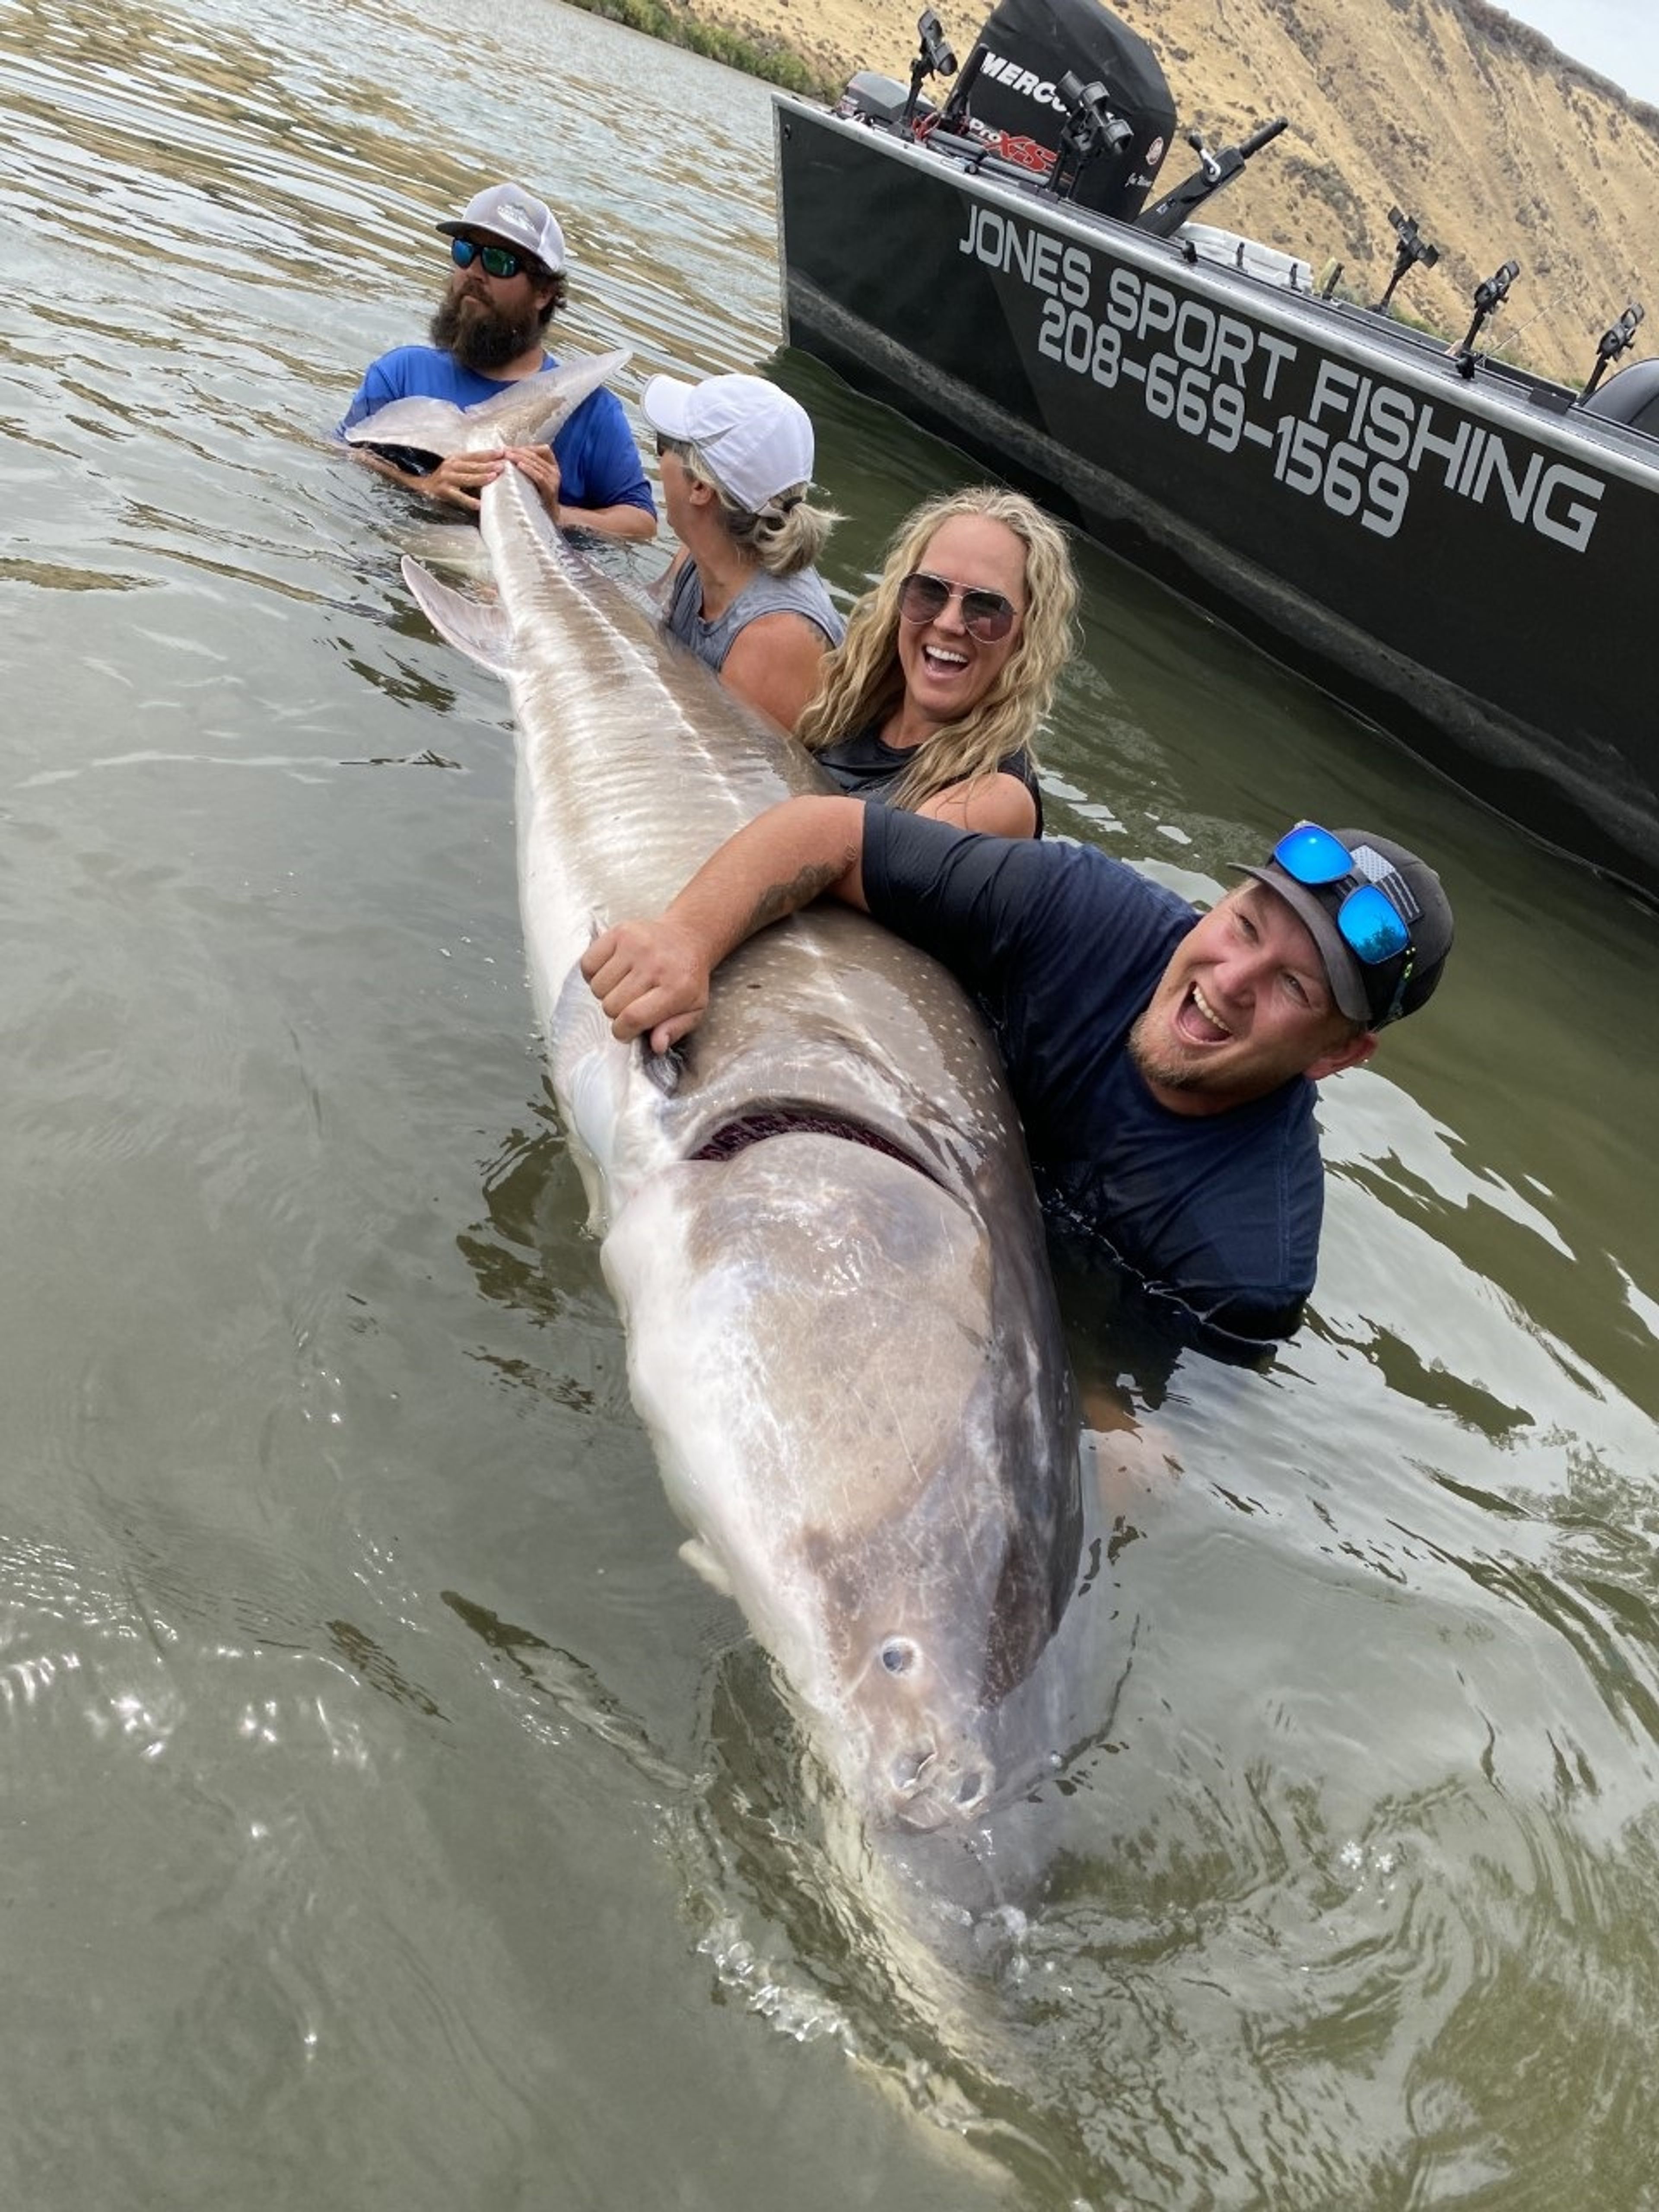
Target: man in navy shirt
505	281
1163	1062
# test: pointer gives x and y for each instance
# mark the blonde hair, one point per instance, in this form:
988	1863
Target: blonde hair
861	682
784	537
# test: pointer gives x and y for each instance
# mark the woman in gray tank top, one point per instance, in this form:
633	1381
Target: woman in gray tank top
737	456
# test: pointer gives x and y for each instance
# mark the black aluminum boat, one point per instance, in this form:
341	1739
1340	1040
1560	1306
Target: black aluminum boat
1460	548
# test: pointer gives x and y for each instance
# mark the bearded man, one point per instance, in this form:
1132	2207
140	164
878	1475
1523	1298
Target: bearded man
506	283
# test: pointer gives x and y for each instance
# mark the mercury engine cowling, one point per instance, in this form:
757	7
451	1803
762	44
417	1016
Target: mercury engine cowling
1008	99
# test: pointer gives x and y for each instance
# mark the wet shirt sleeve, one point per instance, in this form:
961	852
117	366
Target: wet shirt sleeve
385	380
972	900
599	465
378	389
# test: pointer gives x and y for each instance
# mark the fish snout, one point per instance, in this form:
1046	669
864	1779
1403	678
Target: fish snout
928	1766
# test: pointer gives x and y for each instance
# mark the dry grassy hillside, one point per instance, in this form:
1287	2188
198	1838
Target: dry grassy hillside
1501	146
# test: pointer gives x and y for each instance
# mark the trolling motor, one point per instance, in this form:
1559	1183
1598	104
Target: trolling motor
1412	250
1488	297
1620	339
1090	127
1165	217
933	59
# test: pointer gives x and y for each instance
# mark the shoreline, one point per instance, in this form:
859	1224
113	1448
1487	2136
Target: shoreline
845	35
770	39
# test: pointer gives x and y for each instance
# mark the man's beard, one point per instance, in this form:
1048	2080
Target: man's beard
1174	1074
479	337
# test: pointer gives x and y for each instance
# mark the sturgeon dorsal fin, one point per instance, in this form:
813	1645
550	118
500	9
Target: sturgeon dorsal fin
476	628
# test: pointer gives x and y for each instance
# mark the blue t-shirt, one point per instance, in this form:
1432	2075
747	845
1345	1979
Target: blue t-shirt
1063	949
599	462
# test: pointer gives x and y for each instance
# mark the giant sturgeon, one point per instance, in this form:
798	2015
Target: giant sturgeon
819	1221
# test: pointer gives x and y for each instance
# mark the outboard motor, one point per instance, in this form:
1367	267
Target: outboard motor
871	98
1008	99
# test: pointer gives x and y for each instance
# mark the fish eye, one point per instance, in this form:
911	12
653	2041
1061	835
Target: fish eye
898	1655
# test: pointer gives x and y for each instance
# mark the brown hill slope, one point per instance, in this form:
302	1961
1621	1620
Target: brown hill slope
1502	146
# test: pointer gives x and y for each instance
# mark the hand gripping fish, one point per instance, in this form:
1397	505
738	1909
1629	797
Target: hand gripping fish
817	1218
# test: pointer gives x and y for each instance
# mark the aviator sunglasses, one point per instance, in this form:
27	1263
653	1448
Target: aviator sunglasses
985	615
498	260
1375	916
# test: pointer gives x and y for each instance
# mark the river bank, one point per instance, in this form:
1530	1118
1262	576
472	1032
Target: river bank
808	49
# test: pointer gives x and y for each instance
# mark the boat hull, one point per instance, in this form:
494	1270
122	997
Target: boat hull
1464	559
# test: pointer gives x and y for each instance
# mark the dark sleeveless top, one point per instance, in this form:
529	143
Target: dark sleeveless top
864	768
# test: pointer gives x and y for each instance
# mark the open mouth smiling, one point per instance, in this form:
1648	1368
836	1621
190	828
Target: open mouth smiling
1199	1021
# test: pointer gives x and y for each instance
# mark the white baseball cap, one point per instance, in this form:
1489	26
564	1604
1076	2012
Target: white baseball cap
757	440
509	211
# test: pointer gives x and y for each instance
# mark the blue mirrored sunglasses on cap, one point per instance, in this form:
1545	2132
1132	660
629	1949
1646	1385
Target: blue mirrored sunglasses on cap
1373	921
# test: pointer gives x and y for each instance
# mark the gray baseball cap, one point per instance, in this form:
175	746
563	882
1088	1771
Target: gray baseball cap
1372	992
509	211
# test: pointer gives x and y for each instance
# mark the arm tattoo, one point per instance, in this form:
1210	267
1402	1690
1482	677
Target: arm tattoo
780	899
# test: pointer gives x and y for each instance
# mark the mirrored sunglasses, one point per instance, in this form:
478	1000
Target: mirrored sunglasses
985	615
1373	916
498	260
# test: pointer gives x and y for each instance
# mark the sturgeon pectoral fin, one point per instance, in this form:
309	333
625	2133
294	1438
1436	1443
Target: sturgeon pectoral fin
698	1557
590	1074
529	411
476	628
428	426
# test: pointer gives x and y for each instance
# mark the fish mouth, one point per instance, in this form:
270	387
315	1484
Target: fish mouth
758	1123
